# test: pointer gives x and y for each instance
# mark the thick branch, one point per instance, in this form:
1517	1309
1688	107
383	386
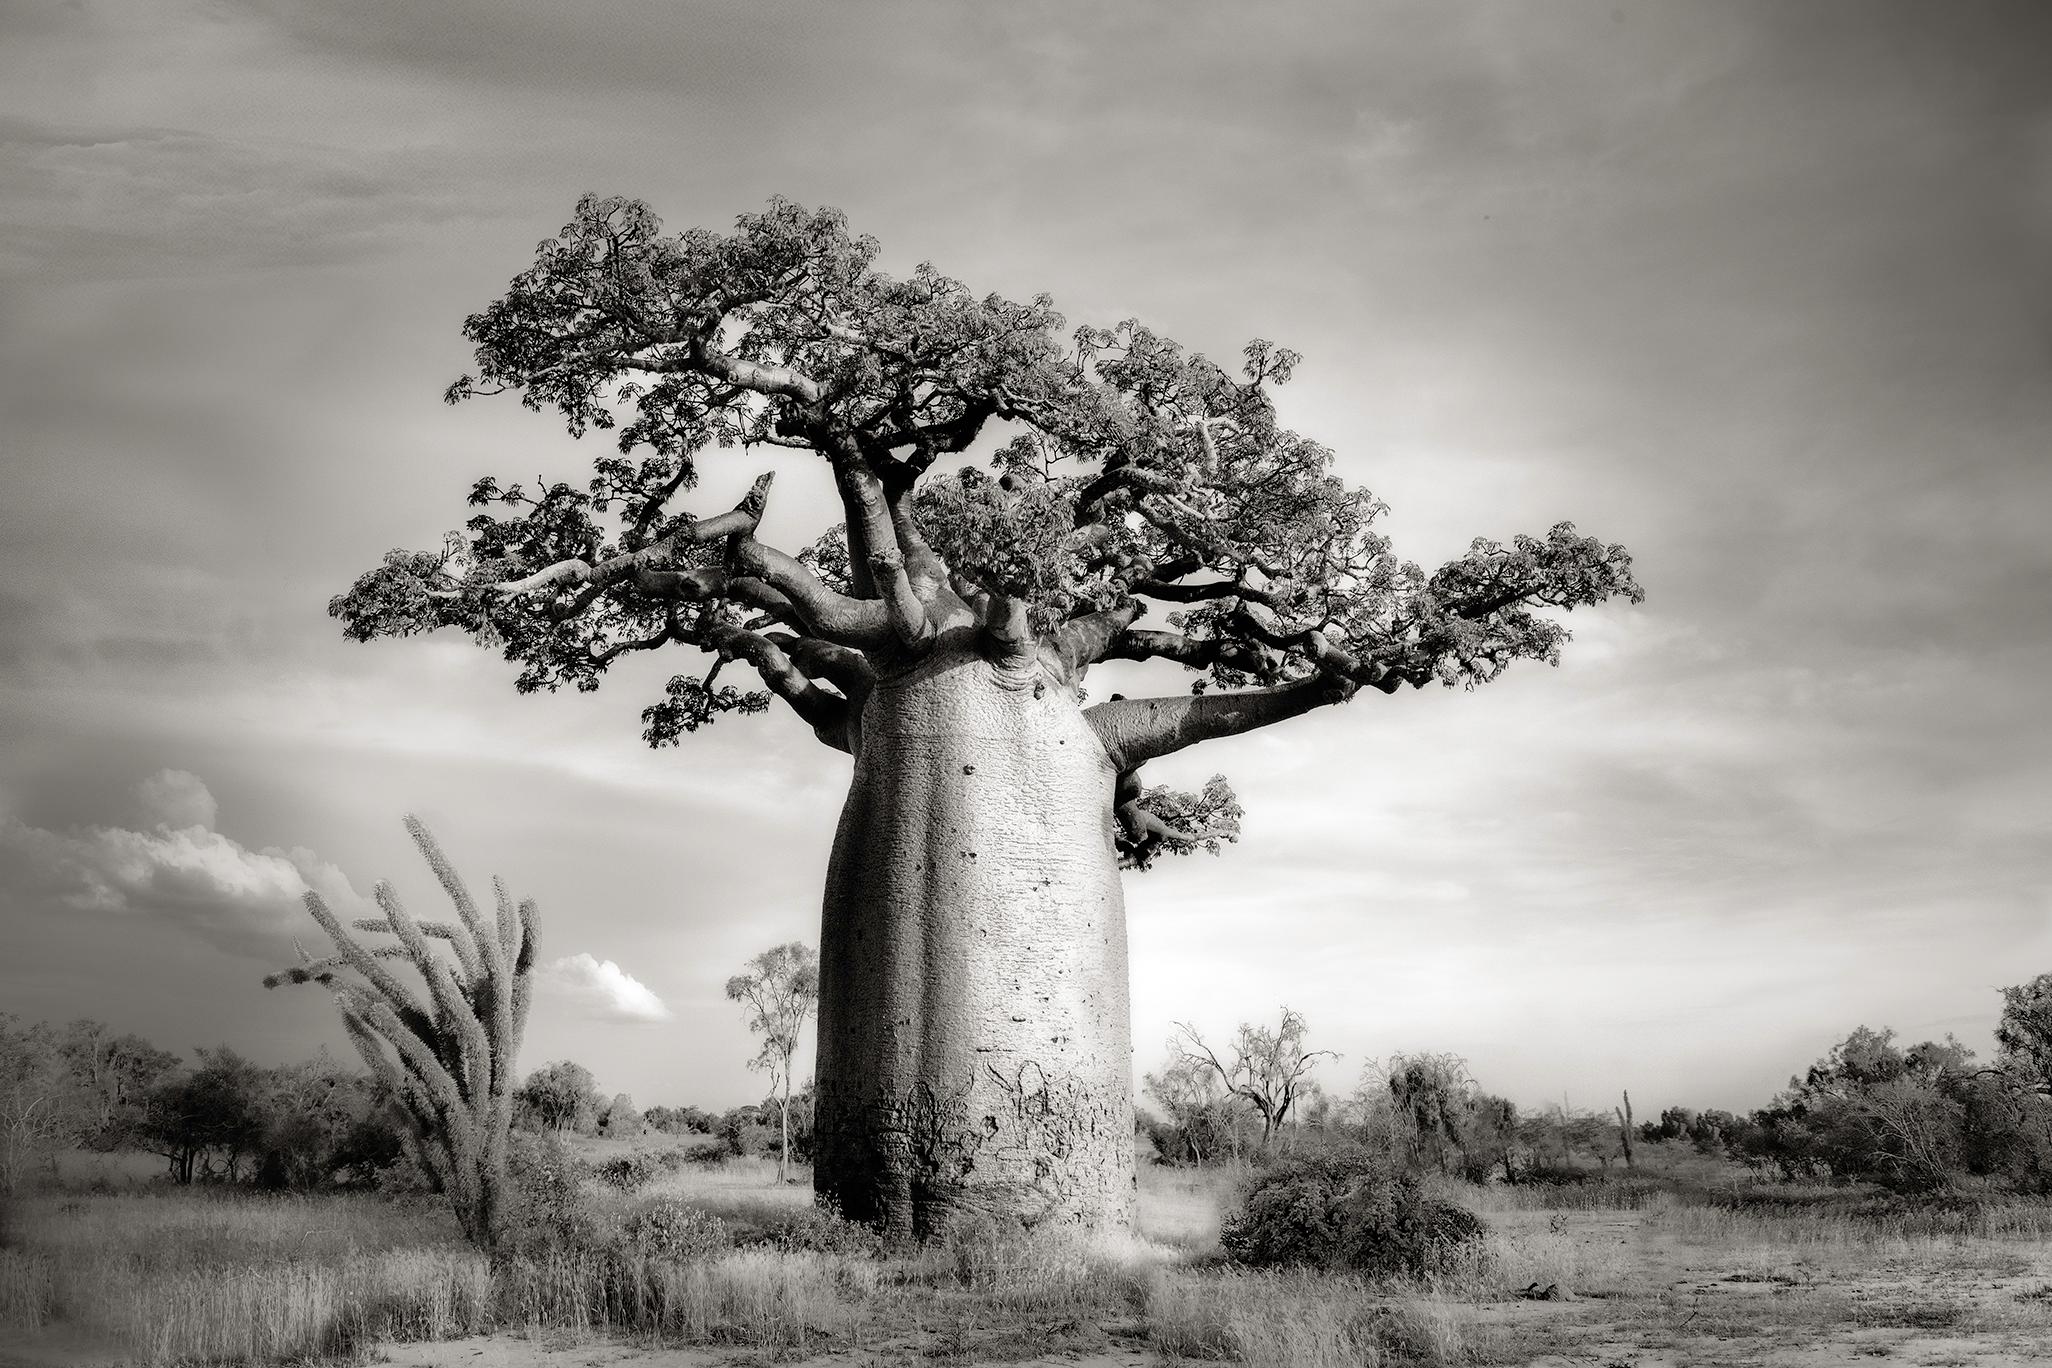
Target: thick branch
908	618
861	623
1086	640
825	713
846	669
1136	730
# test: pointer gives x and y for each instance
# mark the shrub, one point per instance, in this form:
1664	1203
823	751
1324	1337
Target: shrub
1345	1209
628	1172
548	1205
816	1230
669	1229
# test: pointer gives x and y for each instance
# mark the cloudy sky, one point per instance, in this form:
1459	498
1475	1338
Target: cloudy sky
1762	290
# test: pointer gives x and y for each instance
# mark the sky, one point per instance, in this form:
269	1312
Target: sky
1763	291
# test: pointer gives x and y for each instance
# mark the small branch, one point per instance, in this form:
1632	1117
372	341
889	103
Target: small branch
739	521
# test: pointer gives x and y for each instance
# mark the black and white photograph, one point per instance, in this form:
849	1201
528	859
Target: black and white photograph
704	683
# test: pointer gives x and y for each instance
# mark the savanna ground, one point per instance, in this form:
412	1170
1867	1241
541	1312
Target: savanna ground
1693	1267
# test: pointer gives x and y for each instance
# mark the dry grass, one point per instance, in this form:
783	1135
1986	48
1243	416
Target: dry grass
200	1277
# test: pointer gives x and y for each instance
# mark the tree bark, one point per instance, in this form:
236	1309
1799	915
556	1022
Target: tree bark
975	1051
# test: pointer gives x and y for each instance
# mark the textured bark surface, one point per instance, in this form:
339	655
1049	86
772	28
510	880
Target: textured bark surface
975	1045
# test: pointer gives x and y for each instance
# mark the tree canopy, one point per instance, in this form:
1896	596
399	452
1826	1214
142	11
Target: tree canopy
1056	496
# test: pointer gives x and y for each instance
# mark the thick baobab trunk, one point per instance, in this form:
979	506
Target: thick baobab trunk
975	1052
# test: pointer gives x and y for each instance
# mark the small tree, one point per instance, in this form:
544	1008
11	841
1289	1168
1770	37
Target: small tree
451	1058
560	1096
1270	1068
779	988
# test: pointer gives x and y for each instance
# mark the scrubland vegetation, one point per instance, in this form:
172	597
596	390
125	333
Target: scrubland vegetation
1692	1258
1890	1201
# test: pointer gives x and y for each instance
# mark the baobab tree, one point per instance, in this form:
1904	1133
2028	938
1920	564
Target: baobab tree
1019	503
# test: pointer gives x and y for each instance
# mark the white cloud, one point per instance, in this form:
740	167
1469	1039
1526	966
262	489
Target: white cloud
602	989
177	867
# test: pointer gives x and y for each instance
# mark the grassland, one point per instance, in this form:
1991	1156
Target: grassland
1673	1271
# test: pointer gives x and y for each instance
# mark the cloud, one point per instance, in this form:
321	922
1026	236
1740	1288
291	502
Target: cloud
177	799
174	866
602	989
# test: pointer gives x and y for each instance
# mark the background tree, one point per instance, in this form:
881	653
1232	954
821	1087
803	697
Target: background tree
2023	1035
679	1120
1020	502
42	1107
1270	1068
207	1122
560	1096
1197	1122
117	1073
1432	1094
1489	1137
619	1117
448	1060
779	988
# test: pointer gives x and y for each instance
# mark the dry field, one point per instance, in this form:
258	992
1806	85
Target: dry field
163	1277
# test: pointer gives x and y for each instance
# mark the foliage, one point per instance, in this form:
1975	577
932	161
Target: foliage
447	1062
1346	1208
679	1120
1137	477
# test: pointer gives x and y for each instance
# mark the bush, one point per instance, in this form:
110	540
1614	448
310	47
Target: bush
628	1172
814	1230
669	1229
1345	1209
547	1206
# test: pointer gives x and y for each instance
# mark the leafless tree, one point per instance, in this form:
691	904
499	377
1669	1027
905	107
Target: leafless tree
1270	1067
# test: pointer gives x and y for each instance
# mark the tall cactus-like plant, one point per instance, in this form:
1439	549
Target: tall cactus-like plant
450	1062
